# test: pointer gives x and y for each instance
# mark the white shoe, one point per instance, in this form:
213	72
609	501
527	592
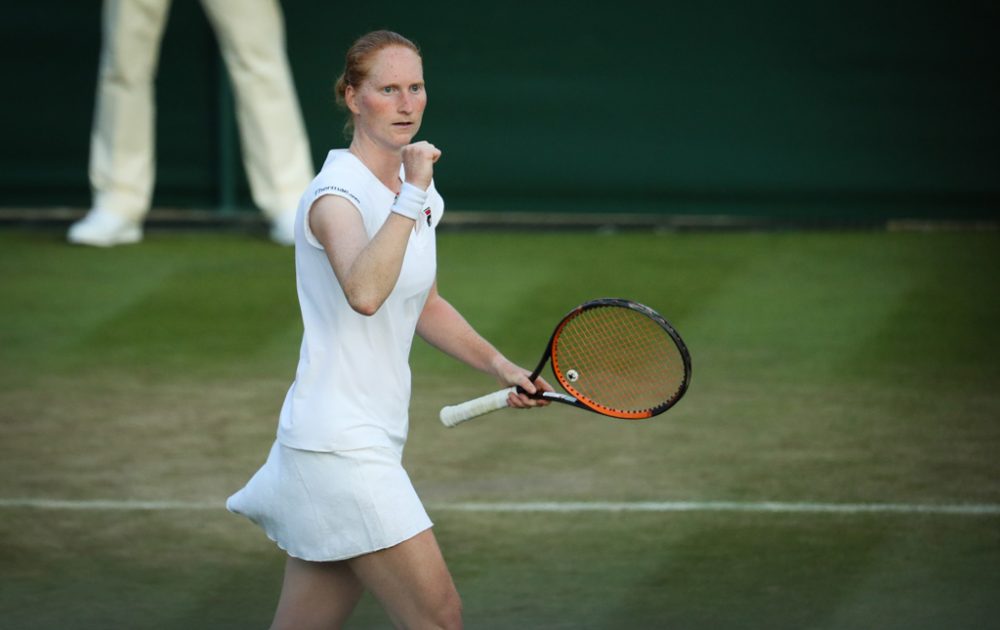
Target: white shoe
101	228
283	229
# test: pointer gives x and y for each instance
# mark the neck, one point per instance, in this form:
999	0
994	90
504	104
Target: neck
383	163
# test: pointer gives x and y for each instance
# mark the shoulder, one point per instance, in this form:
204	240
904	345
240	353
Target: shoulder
341	165
342	175
341	161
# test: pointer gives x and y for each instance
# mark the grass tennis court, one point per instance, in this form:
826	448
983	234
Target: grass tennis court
829	368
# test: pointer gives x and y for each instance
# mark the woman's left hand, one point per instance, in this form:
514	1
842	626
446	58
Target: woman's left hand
511	374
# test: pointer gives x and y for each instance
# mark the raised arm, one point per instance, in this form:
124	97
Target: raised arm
368	269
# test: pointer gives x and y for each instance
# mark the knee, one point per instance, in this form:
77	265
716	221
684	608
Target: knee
448	613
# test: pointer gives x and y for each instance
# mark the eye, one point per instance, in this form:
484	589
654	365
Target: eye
388	89
416	89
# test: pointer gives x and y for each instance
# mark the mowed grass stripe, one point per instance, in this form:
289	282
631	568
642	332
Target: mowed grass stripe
798	309
213	298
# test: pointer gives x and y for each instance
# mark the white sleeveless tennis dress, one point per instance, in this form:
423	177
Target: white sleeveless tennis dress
333	486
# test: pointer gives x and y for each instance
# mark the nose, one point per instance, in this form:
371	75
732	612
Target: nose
406	100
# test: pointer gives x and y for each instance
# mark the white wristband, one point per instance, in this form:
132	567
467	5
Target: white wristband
410	202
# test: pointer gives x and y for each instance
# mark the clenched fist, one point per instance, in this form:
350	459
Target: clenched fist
418	163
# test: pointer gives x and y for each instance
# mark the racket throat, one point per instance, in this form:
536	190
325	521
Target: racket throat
563	398
555	397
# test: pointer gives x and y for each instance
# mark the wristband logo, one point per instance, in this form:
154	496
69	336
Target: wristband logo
427	213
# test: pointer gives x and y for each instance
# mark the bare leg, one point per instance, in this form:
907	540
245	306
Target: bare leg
412	582
316	595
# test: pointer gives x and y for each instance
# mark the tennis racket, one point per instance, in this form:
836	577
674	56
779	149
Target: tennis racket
612	356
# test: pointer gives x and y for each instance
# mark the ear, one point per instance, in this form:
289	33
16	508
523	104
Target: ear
351	99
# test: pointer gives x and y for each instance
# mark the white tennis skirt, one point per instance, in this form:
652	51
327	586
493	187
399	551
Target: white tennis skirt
324	506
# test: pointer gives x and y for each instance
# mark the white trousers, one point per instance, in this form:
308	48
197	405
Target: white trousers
251	34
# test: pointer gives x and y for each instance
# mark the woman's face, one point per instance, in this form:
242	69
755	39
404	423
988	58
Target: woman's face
389	104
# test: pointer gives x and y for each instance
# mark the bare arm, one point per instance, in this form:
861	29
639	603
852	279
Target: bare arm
367	269
442	326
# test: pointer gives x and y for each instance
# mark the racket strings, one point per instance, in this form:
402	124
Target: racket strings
618	358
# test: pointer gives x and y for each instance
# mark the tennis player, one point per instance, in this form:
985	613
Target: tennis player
333	493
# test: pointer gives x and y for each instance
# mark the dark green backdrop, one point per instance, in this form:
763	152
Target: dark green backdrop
844	108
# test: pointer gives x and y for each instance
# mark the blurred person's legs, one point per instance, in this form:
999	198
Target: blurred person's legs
273	136
122	138
122	163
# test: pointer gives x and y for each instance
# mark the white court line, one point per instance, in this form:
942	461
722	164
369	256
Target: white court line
726	506
969	509
110	504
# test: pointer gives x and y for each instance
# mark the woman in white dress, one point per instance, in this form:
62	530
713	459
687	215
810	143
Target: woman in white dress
333	493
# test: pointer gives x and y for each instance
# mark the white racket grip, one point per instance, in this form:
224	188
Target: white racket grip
457	414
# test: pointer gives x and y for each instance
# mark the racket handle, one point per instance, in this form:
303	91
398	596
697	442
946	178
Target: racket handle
457	414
